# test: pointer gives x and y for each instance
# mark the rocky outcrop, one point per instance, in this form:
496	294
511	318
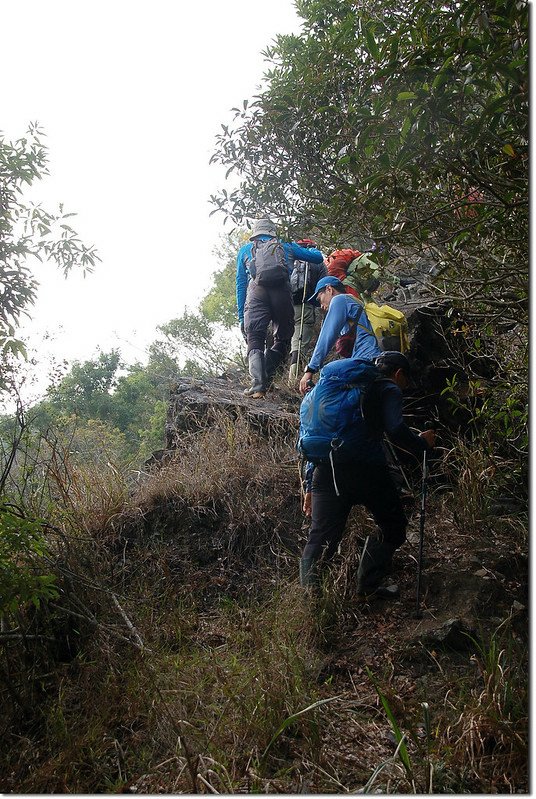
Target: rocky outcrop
195	402
438	355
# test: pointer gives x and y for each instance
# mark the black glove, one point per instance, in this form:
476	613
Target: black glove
243	331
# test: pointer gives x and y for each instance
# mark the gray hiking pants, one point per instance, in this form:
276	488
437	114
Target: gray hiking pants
308	327
265	304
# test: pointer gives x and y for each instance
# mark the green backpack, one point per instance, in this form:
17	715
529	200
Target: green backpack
362	275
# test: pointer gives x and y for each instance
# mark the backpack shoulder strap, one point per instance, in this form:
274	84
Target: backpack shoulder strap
371	407
250	261
356	320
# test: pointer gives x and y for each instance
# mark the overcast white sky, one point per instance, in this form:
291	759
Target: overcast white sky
130	95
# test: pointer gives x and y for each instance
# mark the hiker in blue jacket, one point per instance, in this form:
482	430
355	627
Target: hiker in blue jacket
344	313
260	303
363	478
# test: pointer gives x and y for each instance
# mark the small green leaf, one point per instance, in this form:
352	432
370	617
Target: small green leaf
372	45
405	129
406	96
291	719
509	150
440	79
403	751
460	239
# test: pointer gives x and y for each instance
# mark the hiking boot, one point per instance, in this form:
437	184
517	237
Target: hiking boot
274	359
390	591
257	372
293	370
375	564
308	573
408	500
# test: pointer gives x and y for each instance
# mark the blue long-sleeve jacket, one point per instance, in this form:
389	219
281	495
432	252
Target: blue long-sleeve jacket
293	252
344	310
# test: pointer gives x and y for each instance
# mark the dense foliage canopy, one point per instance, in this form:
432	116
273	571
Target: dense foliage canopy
408	126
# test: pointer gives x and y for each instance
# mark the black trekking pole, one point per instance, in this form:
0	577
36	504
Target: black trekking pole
424	491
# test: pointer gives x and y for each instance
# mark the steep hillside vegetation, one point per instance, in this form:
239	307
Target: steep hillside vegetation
181	655
153	634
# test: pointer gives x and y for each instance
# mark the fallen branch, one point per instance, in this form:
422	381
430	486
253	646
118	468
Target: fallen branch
134	632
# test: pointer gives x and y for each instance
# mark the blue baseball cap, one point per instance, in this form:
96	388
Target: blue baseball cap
329	280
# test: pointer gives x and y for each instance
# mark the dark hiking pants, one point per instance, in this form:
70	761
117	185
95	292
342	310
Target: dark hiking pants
366	484
265	304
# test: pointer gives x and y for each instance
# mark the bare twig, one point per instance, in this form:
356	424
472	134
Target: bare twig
134	632
22	636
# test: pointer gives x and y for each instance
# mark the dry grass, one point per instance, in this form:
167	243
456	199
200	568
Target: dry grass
181	651
212	703
489	739
481	481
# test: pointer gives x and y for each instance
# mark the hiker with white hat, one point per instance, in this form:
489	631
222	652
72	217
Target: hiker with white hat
263	295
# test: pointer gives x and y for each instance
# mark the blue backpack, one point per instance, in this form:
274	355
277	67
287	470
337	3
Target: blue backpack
331	417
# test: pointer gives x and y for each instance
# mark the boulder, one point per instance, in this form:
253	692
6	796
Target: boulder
195	403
